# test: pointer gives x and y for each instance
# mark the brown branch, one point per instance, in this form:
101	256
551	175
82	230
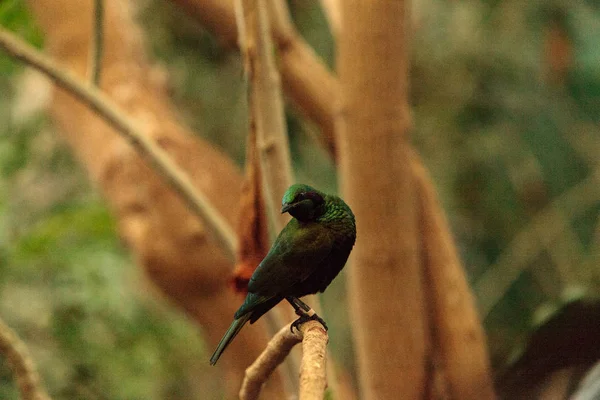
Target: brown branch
313	380
385	277
305	78
458	337
282	25
313	371
20	361
265	103
267	128
106	108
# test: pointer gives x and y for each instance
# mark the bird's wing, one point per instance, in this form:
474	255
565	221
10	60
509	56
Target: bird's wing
296	254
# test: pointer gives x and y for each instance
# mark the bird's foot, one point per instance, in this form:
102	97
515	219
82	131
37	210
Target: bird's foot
305	318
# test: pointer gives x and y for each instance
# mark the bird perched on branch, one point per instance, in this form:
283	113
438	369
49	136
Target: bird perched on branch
308	253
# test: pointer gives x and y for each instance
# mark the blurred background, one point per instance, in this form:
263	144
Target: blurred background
506	112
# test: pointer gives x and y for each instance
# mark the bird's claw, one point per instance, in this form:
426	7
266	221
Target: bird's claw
305	318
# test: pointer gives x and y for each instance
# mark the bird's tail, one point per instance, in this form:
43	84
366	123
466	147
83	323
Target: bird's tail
231	333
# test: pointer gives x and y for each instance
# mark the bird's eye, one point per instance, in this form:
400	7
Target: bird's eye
300	197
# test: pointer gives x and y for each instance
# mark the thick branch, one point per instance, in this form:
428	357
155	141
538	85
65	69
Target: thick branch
20	361
313	380
457	334
106	108
385	276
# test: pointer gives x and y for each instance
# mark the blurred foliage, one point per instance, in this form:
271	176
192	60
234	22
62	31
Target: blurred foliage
94	326
506	105
506	112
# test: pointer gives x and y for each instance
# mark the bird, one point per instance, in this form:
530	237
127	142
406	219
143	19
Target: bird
306	256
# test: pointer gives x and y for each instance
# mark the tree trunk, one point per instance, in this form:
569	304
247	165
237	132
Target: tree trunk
385	282
168	241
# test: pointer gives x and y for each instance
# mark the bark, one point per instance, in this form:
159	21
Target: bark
385	282
457	334
171	244
313	377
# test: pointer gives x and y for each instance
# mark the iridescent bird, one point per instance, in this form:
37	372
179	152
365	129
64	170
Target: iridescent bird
308	253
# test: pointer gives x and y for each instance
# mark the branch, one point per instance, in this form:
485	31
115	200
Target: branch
331	8
267	131
265	103
306	79
105	107
98	42
312	371
20	361
456	331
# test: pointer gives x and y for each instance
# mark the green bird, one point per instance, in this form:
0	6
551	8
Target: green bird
308	253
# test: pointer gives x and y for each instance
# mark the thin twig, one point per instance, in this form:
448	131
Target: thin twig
97	42
26	376
156	156
313	379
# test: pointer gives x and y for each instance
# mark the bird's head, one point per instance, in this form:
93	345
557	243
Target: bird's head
303	202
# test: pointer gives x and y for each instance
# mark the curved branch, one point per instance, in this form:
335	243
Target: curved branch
313	377
105	107
22	365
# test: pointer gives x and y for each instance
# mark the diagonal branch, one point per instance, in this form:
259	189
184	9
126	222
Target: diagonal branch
20	361
312	370
105	107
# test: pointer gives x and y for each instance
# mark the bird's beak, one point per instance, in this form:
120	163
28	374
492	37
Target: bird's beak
285	208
